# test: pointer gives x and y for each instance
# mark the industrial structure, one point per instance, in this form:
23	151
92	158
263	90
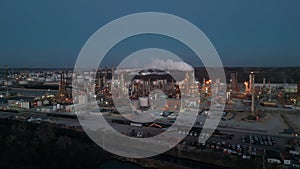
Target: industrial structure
7	79
234	82
298	94
252	91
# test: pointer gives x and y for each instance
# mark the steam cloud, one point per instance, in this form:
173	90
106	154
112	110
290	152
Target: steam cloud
170	65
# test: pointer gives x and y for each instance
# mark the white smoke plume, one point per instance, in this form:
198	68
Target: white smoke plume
169	64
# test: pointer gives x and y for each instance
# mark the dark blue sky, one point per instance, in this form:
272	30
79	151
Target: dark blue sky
50	33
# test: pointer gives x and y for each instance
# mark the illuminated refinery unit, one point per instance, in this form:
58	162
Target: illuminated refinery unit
257	116
250	107
139	84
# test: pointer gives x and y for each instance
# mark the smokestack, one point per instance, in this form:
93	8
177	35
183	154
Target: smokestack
62	83
6	76
298	91
251	80
233	82
112	71
104	77
252	88
100	78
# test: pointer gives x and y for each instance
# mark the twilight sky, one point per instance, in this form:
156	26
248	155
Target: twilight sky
51	33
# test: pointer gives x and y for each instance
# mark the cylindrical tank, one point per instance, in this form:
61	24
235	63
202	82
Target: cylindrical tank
58	106
143	101
80	79
45	102
269	103
8	83
23	82
39	103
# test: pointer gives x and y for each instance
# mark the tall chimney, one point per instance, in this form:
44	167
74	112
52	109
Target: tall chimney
252	88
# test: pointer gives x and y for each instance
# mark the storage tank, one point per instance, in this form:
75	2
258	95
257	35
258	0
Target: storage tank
271	104
39	103
46	102
82	99
25	105
8	83
143	101
80	79
58	106
23	82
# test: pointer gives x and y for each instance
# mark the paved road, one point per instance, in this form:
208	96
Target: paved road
151	131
